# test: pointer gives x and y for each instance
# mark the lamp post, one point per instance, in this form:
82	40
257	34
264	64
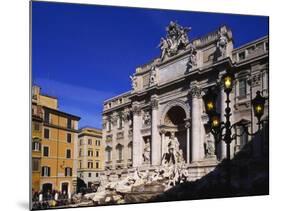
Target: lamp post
258	106
222	129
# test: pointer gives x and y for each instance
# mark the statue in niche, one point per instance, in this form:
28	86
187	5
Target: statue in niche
172	156
152	78
209	148
134	82
222	43
146	119
146	151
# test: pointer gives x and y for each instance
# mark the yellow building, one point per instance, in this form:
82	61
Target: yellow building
90	155
59	136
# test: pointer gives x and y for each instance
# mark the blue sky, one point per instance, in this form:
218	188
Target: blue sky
84	54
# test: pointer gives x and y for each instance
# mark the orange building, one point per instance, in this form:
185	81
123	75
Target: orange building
58	141
37	122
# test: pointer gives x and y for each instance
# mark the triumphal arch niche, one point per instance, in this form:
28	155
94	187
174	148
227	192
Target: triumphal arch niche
164	112
174	123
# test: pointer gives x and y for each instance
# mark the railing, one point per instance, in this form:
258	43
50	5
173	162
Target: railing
250	51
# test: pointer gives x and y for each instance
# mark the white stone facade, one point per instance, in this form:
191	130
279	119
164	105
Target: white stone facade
166	100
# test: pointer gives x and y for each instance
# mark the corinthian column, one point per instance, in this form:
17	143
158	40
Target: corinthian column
222	144
187	126
156	139
195	123
137	140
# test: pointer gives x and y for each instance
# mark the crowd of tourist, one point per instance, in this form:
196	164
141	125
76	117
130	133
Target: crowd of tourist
43	200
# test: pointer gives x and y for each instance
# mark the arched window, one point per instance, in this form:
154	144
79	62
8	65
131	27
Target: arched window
120	121
119	149
36	145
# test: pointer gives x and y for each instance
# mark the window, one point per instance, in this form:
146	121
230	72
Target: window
97	174
89	174
80	164
90	153
130	151
69	137
109	126
90	164
120	151
46	133
46	171
97	165
80	152
47	117
45	151
68	172
242	88
36	146
108	154
36	126
97	153
89	141
69	123
241	55
81	142
68	153
35	164
120	122
97	142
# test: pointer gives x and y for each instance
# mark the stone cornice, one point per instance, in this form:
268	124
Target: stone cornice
59	127
221	64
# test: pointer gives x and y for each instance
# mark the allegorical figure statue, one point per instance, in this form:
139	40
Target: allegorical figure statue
171	157
164	46
191	59
146	151
146	119
134	82
176	39
222	42
210	148
152	79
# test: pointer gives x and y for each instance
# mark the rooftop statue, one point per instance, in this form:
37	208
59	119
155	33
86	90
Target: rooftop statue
222	43
176	39
134	82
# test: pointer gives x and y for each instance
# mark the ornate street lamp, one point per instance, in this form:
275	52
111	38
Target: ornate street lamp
215	123
222	129
210	102
227	81
258	106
